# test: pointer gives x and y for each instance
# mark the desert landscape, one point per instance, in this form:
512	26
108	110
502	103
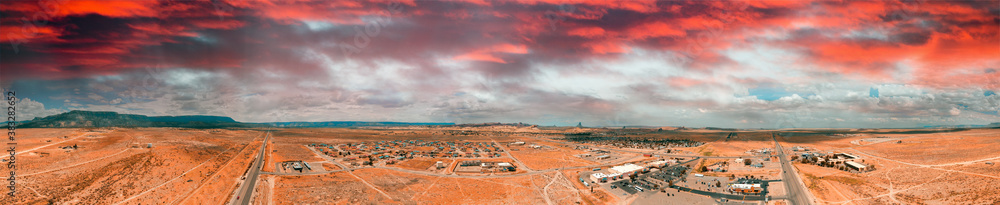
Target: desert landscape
502	164
938	167
131	166
555	102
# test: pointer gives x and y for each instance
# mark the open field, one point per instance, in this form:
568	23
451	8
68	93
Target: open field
939	148
550	156
422	164
738	144
114	165
921	168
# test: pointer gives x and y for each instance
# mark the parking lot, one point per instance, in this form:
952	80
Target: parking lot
668	173
630	187
652	181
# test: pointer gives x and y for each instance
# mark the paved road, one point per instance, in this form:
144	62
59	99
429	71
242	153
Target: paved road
246	189
326	157
714	195
797	192
507	151
718	195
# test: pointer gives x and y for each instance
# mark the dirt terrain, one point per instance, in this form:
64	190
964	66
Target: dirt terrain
549	156
737	145
922	168
132	166
191	166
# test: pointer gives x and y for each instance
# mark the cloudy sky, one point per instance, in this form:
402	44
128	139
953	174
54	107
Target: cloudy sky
749	64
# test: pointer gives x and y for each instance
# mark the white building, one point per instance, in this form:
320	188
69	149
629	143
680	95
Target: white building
746	188
657	164
627	169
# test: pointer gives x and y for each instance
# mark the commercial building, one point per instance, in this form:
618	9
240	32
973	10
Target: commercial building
746	188
657	164
599	177
628	169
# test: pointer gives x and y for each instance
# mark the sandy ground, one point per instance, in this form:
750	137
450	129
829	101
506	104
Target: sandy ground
113	165
737	145
553	155
934	168
203	166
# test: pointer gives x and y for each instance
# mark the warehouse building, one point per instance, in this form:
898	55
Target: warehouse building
856	166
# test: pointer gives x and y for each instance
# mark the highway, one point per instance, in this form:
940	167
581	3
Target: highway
718	195
797	192
246	189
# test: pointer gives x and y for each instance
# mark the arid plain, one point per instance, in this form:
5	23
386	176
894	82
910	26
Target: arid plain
498	164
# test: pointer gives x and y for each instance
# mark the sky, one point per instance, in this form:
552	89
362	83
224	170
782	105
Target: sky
738	64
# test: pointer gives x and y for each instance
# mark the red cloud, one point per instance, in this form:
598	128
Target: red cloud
489	54
941	41
56	9
589	32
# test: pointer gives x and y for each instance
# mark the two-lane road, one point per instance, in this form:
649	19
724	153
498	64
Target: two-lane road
797	192
246	189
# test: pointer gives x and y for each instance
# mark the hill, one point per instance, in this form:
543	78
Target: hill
347	124
78	118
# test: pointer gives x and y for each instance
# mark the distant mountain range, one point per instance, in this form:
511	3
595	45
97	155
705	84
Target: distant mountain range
346	124
991	125
78	118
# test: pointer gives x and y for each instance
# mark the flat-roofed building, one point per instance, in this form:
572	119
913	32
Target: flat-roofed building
627	169
846	156
856	166
746	188
657	164
599	177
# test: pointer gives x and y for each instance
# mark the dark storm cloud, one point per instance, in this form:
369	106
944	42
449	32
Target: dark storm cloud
532	59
